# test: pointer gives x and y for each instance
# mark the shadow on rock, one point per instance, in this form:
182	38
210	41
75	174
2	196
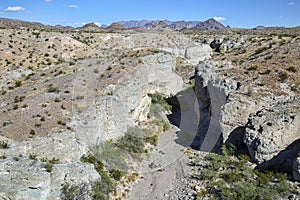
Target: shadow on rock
283	161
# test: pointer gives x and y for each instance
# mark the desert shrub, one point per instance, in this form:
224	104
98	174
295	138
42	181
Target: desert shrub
105	185
253	68
4	145
60	122
74	192
89	158
79	97
18	83
16	107
283	76
102	188
267	71
233	178
260	50
152	140
32	132
33	156
131	143
3	92
117	174
19	99
56	100
52	89
160	99
48	167
292	69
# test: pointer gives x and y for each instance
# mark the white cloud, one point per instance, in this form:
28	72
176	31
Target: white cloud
98	24
14	8
291	3
219	18
72	6
48	0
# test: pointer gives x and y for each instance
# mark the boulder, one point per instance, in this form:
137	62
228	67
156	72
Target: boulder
196	54
31	179
272	130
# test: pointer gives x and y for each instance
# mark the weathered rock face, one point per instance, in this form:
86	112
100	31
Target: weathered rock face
198	53
271	130
212	94
31	179
127	102
271	136
96	119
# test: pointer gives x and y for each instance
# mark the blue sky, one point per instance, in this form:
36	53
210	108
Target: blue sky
235	13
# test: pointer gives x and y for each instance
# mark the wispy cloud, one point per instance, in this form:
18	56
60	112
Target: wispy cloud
219	18
1	13
48	0
15	8
291	3
72	6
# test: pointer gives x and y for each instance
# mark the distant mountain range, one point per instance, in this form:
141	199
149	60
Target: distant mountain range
209	24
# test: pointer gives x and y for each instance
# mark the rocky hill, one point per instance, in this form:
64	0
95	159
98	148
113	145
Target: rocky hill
91	114
209	24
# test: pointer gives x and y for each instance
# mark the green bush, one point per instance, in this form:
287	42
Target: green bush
52	89
253	68
99	166
267	71
48	167
260	50
283	76
18	83
160	99
4	145
152	140
73	192
292	69
230	178
131	143
117	174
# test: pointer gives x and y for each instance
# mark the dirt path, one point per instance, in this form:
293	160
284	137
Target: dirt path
167	166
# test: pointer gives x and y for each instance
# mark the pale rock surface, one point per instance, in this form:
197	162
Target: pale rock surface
271	130
198	53
28	179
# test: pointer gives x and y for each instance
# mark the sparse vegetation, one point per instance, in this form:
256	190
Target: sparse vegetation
4	145
109	68
253	68
292	69
228	177
260	50
18	83
80	97
283	76
52	89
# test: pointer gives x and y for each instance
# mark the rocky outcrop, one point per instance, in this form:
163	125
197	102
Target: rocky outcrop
198	53
31	179
97	118
270	136
271	130
212	94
